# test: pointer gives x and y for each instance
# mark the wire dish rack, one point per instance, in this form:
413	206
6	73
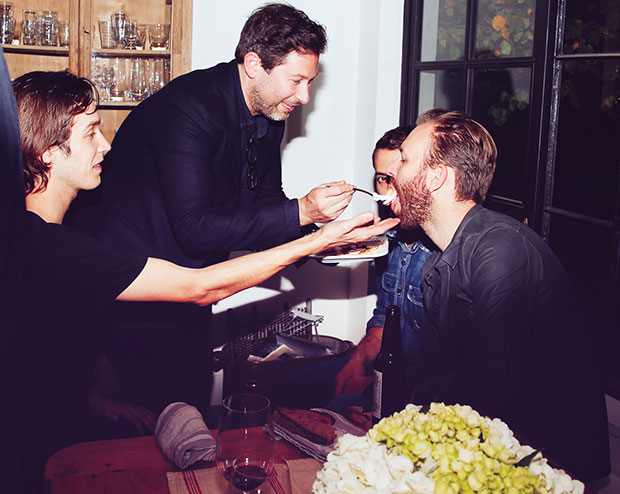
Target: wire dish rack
296	322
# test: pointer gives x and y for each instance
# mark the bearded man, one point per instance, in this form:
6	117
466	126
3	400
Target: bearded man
194	173
503	332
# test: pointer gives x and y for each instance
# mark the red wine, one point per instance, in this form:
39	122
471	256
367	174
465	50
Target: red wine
248	477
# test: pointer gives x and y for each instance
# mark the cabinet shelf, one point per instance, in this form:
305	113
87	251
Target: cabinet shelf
110	105
36	50
84	55
131	53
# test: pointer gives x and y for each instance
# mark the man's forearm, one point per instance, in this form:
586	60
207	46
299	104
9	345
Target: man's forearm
369	346
163	281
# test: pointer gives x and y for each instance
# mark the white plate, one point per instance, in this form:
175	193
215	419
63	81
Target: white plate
357	252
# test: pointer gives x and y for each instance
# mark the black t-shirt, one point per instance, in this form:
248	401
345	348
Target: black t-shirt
70	280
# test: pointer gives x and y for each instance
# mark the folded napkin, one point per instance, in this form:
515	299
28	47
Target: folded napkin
183	436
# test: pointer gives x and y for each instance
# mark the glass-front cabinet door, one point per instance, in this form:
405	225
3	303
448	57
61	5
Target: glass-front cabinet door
128	49
39	35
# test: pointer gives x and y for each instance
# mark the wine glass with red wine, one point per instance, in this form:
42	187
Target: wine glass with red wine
245	447
248	478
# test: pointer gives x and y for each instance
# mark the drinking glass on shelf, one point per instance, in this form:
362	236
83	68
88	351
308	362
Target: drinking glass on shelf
158	34
108	81
132	36
7	22
105	34
160	75
119	25
48	28
138	79
142	30
29	27
63	33
245	438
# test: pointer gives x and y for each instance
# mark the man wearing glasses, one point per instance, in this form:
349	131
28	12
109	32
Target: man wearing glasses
195	172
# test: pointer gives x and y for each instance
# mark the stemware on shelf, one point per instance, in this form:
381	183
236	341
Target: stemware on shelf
108	81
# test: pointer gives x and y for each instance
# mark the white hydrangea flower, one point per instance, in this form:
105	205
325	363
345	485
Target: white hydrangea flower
362	465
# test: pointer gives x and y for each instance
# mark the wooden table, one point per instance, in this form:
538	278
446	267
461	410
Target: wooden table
119	466
124	466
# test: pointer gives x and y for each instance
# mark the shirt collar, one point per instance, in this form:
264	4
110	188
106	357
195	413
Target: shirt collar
450	255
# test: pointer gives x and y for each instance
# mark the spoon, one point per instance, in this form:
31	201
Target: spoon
375	196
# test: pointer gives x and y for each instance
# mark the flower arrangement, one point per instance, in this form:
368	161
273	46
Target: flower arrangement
444	450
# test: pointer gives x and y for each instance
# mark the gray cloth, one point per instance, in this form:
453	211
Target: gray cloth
183	436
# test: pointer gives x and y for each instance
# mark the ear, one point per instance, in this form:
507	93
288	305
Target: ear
47	157
437	176
252	64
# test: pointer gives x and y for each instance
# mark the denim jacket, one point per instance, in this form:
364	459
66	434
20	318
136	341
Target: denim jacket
399	285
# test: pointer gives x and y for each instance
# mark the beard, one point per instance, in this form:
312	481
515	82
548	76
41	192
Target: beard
261	106
415	202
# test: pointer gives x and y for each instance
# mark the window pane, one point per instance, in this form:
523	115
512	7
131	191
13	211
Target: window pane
587	154
594	276
443	30
501	102
504	29
592	26
441	89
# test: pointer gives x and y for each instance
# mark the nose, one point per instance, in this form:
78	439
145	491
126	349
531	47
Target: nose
303	93
392	170
104	145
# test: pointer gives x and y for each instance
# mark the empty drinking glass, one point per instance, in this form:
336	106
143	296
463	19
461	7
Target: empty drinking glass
132	36
29	27
48	28
105	34
119	25
7	22
108	81
63	33
160	75
142	30
138	80
158	34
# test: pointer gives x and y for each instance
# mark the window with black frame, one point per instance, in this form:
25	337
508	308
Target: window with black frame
477	56
582	204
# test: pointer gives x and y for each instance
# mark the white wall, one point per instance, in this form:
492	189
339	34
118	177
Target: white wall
354	100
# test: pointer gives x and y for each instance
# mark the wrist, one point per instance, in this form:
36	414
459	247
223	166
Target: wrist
302	206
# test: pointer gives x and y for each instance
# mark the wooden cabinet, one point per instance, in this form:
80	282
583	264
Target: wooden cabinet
84	55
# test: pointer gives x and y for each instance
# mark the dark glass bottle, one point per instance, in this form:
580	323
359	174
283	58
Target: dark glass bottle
389	379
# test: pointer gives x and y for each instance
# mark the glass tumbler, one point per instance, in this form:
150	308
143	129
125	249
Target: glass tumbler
48	28
119	26
138	79
29	27
7	23
158	34
63	33
105	34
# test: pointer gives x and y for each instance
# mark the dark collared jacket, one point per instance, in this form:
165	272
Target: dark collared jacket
505	336
174	184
